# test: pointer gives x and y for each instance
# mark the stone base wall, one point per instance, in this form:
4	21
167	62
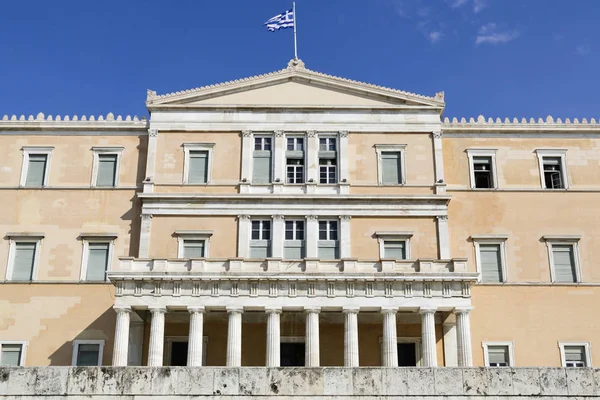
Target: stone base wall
317	383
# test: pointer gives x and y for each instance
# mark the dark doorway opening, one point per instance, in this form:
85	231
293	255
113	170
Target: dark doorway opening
407	355
292	354
179	352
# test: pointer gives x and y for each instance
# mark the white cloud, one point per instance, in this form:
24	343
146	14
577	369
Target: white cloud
435	36
489	34
479	5
582	50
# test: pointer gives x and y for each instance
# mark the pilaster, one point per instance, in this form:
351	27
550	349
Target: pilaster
244	225
278	236
145	227
345	245
312	236
443	237
150	160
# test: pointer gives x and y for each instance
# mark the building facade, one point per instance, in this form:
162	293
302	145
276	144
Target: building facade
298	219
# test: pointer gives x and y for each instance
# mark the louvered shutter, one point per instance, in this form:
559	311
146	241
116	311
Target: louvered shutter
23	261
328	250
193	249
107	168
261	170
394	249
198	171
498	356
390	163
491	267
564	263
575	356
87	355
260	249
97	262
36	170
11	355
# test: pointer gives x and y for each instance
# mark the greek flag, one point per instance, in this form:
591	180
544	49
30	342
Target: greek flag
281	21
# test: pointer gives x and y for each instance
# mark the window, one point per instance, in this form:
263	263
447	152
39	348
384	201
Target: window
575	355
390	164
87	353
105	170
176	350
97	255
12	353
553	169
482	166
295	160
394	245
193	248
563	253
23	256
293	246
260	244
198	163
193	244
328	160
36	162
409	351
262	159
490	257
328	240
292	351
498	354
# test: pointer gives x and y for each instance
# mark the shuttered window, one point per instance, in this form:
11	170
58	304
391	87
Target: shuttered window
293	245
261	169
498	356
24	261
260	245
36	170
328	245
193	248
11	355
97	262
564	263
395	249
107	170
575	356
88	355
198	168
390	164
491	263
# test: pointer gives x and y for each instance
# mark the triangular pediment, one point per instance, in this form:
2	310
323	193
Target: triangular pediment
294	86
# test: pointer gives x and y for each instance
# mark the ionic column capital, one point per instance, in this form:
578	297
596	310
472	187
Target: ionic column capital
427	310
273	310
122	309
462	310
196	309
389	310
157	310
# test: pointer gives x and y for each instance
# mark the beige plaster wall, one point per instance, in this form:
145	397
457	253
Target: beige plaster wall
365	245
517	162
50	316
227	156
72	159
63	215
223	242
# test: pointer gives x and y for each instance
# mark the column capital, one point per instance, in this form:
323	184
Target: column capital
389	310
345	217
311	134
312	310
152	132
277	217
235	309
273	310
343	134
427	310
196	309
462	310
157	310
442	218
122	309
246	133
279	134
312	217
437	134
244	217
351	310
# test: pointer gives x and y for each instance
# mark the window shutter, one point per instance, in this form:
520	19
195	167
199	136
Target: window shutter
36	170
193	249
11	355
390	163
23	262
564	263
491	268
87	355
575	355
293	249
107	168
261	171
394	249
97	262
498	355
328	250
260	249
198	170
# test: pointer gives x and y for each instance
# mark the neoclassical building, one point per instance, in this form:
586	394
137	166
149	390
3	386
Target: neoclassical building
298	219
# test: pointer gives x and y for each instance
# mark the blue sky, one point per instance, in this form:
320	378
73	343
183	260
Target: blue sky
499	58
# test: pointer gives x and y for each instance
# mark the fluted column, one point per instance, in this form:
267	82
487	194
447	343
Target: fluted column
311	355
390	341
157	336
351	337
428	336
273	337
121	345
234	337
195	340
463	328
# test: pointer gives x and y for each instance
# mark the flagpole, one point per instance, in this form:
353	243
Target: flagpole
295	22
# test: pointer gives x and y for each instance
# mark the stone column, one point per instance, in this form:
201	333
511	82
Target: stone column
390	341
121	345
273	337
234	337
444	237
450	341
463	330
312	236
144	246
428	336
157	336
351	337
196	339
278	236
311	355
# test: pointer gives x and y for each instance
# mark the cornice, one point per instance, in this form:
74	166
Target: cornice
43	122
549	124
293	197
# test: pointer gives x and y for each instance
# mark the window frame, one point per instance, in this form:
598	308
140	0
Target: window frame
78	342
23	343
471	154
587	352
182	236
394	236
486	355
96	238
391	148
499	240
33	150
269	241
189	147
562	154
295	240
563	240
327	155
116	151
13	238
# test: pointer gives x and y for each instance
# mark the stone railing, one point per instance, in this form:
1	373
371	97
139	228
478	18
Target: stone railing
363	383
